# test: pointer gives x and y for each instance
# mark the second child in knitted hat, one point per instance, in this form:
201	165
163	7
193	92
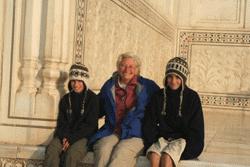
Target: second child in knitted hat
175	77
173	124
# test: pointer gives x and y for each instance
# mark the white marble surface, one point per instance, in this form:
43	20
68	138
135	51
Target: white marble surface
215	14
227	137
110	31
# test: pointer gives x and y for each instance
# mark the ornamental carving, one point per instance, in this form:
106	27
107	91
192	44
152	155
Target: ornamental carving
12	162
219	64
79	30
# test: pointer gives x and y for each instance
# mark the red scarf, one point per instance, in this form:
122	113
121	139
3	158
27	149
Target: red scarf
125	99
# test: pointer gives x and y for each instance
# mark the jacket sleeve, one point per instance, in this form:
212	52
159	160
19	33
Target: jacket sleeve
152	88
62	129
88	125
101	102
149	124
195	132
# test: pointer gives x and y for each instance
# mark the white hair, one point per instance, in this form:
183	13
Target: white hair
131	55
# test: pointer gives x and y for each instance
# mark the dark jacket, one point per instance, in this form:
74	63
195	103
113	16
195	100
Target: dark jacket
131	124
76	126
189	126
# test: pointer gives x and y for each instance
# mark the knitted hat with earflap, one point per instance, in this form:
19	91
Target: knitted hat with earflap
179	67
78	72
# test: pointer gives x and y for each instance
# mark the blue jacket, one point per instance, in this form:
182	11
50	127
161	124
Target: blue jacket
131	124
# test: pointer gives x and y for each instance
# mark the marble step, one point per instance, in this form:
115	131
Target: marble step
143	162
35	154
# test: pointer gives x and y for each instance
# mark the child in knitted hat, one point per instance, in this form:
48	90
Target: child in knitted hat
77	121
173	125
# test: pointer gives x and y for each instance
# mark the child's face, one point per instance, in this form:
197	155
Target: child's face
77	86
173	81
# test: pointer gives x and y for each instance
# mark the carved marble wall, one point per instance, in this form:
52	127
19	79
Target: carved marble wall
166	8
214	14
40	39
214	36
36	50
1	39
219	67
117	26
9	162
37	45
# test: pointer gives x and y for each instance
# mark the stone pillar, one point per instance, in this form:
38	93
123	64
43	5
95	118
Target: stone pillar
48	95
36	50
1	38
25	96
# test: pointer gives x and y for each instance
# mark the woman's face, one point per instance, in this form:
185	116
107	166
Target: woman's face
127	69
77	85
173	81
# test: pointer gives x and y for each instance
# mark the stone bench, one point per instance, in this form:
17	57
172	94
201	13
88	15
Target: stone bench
142	161
27	156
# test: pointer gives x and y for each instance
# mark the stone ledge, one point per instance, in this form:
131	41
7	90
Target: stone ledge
22	152
142	161
18	154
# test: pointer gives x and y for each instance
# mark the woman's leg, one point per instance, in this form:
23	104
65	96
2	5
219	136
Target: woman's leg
126	152
103	149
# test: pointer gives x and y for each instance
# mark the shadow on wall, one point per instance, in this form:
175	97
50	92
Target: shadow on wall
37	153
36	159
61	83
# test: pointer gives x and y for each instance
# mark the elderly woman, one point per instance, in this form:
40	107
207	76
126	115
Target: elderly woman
123	100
